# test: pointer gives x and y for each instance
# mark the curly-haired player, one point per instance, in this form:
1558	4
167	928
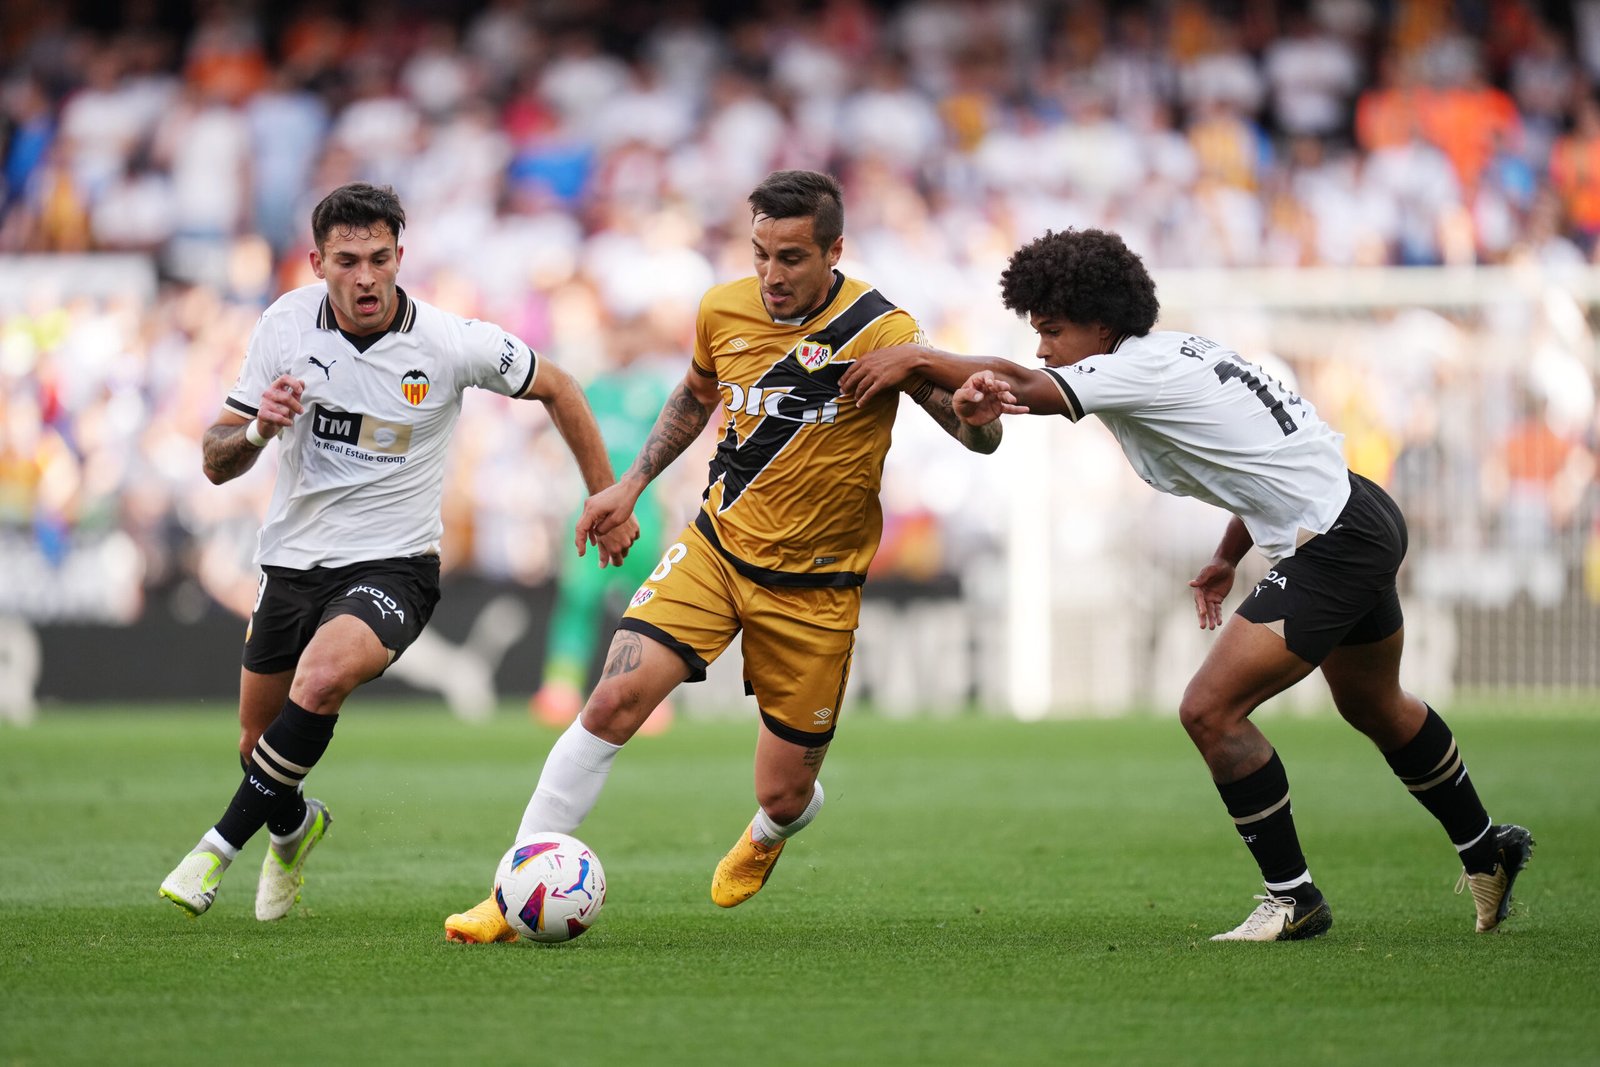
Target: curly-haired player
1196	419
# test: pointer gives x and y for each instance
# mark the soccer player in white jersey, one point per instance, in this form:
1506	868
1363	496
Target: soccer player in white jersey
1196	419
361	386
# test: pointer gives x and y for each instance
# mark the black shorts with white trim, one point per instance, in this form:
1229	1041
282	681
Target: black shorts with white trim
1339	587
394	597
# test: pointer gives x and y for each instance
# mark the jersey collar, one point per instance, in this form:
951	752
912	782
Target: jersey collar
405	314
838	283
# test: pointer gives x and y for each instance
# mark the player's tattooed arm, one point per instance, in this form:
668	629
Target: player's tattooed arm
225	454
233	443
685	414
936	402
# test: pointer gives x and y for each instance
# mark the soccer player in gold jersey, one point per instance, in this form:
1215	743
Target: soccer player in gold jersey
778	551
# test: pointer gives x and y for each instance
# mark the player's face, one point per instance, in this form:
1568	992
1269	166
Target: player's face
794	273
360	265
1063	342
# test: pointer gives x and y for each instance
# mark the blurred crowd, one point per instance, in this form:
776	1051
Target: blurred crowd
576	171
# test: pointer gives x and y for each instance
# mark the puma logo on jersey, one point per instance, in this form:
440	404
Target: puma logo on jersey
325	368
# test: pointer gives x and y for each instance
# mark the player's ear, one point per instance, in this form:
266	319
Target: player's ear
316	264
836	250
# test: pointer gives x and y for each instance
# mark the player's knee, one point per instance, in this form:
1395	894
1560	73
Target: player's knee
320	688
1203	718
613	712
784	802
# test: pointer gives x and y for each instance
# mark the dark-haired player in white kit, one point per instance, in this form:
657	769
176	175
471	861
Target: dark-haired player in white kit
362	385
1195	419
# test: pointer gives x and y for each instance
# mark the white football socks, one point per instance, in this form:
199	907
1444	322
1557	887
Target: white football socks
215	843
574	773
767	833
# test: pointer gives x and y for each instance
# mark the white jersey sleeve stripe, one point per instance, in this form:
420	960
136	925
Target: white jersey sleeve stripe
1074	409
533	372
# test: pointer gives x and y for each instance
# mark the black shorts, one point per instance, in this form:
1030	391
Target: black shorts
1339	587
394	597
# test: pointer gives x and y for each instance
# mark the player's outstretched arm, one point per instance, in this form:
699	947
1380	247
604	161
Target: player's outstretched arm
574	420
233	443
683	416
891	367
981	437
983	398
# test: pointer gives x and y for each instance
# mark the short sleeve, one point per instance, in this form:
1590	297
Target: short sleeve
898	327
704	361
1108	382
495	360
267	356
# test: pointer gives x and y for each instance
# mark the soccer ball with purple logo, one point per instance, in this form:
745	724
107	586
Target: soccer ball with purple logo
550	887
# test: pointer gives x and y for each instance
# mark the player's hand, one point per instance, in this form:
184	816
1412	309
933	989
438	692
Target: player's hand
1211	587
604	512
280	403
983	398
872	373
613	546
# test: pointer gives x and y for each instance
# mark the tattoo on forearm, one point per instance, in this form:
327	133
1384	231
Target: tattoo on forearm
939	403
681	420
627	652
225	452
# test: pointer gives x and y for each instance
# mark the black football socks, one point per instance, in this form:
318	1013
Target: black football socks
1259	804
284	755
1430	766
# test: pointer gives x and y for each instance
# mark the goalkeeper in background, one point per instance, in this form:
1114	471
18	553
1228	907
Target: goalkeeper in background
625	400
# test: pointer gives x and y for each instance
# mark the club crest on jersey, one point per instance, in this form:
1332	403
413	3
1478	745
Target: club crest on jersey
813	356
642	597
415	387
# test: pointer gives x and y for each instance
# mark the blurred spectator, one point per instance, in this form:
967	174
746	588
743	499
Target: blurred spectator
572	173
1575	172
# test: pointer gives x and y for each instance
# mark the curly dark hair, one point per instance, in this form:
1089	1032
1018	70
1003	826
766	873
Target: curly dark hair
1083	276
357	206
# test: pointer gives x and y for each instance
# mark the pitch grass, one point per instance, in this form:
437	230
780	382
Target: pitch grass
976	891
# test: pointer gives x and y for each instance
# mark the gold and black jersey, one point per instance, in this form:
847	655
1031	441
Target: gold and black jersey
793	493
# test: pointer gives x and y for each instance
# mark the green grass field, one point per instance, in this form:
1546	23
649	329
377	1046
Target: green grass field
975	891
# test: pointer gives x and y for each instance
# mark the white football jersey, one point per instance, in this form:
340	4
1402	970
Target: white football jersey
1197	419
361	474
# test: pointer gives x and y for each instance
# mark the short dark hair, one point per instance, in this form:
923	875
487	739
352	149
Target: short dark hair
357	206
1083	276
790	194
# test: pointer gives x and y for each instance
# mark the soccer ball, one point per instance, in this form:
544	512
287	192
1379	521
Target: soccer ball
550	887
